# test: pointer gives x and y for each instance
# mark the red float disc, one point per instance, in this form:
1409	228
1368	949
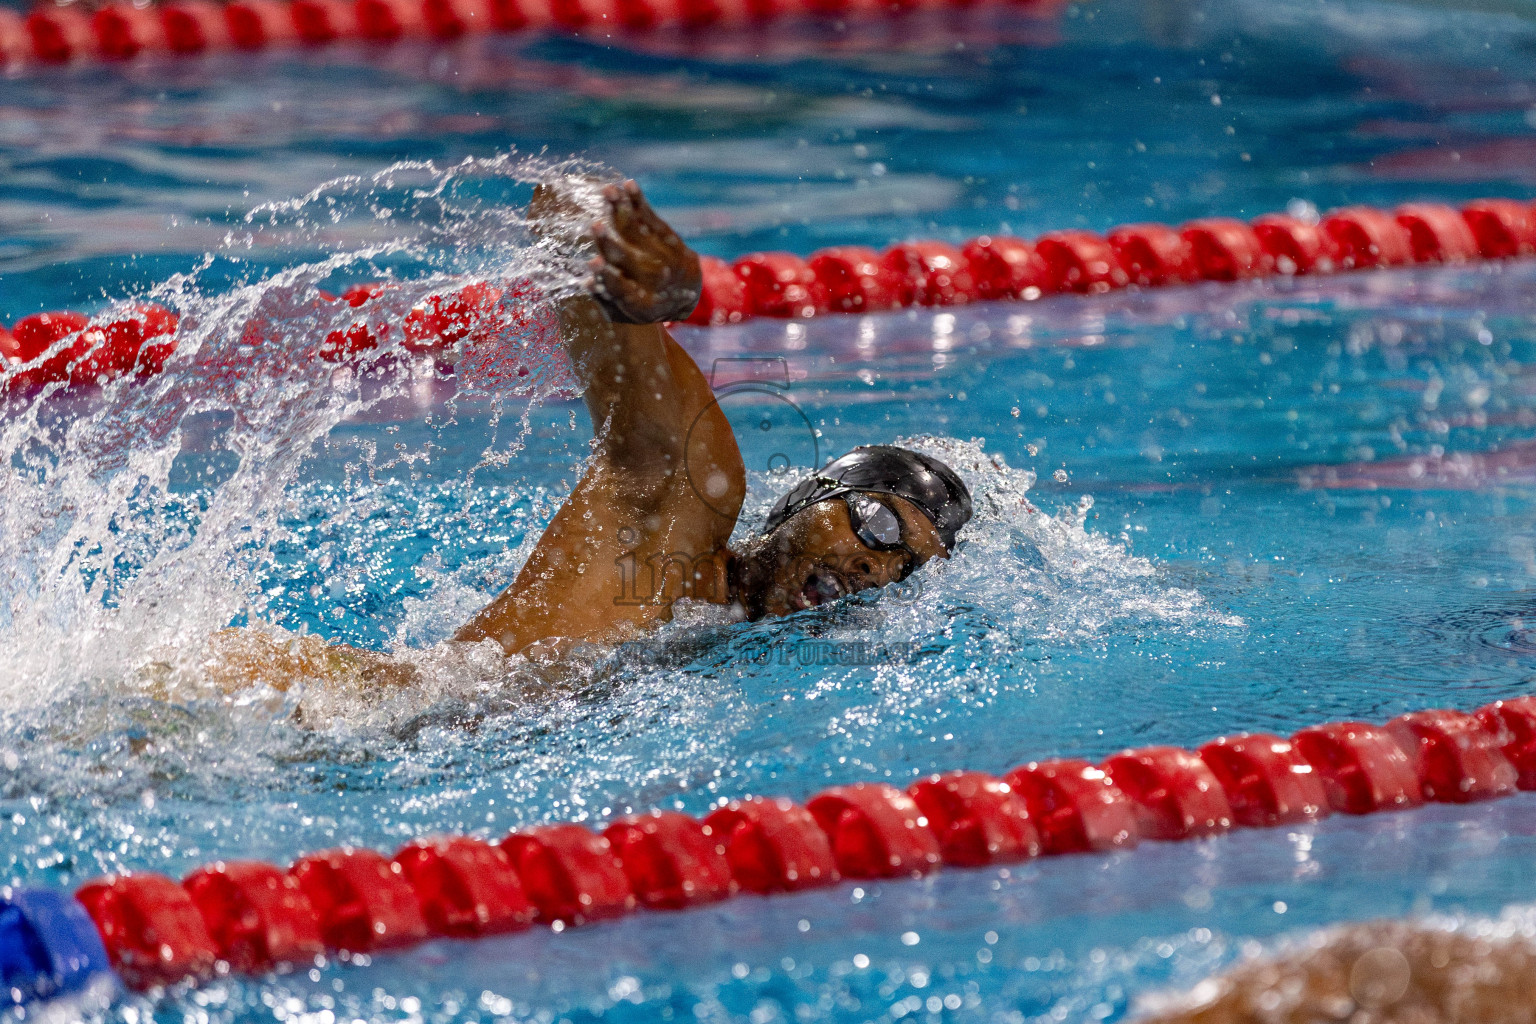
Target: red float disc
388	21
254	24
773	845
855	280
59	34
193	26
123	31
111	348
442	321
1363	237
358	294
723	297
1075	806
516	15
1005	268
671	860
1153	255
1225	249
876	831
570	873
449	19
780	284
1266	780
978	819
1437	233
318	22
362	901
1174	792
15	44
446	19
32	336
694	14
1362	767
1503	228
1513	725
1079	261
151	928
466	886
1455	756
930	274
643	15
256	915
1292	246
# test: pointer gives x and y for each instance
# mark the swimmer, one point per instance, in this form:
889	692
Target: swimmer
1379	972
637	534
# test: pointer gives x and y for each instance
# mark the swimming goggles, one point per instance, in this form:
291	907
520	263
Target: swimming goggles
884	469
879	528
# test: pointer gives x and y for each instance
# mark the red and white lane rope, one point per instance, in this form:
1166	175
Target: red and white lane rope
117	31
78	350
251	917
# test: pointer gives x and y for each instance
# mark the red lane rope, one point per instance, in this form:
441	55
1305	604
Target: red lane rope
71	348
854	279
251	917
79	350
116	31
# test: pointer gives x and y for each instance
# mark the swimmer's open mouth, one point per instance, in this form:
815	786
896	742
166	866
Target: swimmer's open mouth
819	588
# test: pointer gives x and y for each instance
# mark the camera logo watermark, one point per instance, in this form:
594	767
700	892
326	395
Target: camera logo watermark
772	432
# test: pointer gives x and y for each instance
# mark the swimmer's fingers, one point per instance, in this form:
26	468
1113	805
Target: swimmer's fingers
648	220
636	221
638	302
643	273
679	271
624	300
635	298
620	210
623	255
624	204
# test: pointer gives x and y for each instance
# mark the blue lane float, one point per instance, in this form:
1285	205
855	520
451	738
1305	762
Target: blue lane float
49	947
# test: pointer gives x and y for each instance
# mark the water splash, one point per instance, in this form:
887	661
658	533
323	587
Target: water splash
139	517
256	481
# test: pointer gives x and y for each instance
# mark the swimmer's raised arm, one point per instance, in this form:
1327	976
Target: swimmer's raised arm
650	522
634	534
642	274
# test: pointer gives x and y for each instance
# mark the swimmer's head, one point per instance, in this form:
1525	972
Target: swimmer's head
870	518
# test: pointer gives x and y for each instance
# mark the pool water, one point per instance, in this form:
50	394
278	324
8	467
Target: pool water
1200	510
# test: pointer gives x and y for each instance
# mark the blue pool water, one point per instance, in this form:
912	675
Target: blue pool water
1305	500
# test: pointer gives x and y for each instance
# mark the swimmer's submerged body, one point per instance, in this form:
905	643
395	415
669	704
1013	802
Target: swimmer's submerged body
650	521
1378	972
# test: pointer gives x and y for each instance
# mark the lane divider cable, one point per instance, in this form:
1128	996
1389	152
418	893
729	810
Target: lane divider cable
251	917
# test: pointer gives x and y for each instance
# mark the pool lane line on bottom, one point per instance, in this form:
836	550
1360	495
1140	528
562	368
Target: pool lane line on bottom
115	32
250	917
74	350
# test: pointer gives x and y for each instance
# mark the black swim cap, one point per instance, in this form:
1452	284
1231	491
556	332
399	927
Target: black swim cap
885	469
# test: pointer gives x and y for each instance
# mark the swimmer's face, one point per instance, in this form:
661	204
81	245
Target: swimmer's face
815	557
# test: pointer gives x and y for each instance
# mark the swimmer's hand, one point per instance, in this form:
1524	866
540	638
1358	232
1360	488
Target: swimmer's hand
242	658
642	273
